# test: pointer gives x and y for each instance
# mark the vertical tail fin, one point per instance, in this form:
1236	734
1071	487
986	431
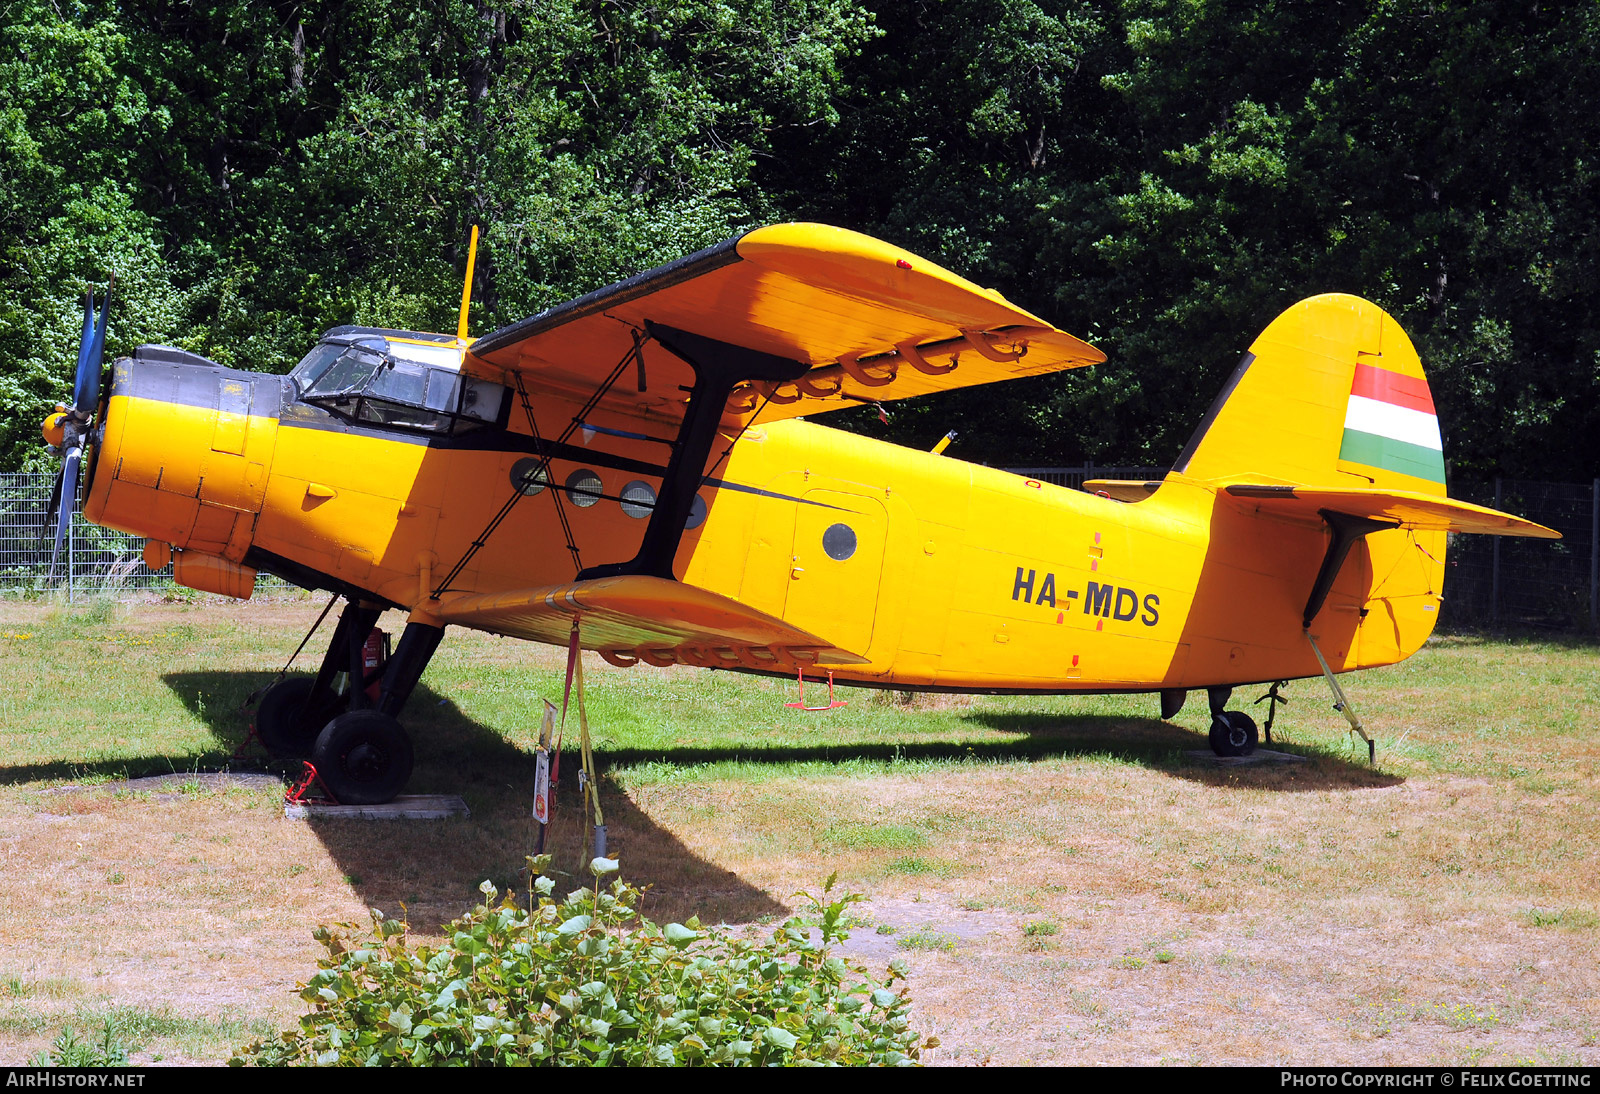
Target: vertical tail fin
1332	393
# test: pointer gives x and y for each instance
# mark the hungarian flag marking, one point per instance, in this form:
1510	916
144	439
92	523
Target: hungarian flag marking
1390	423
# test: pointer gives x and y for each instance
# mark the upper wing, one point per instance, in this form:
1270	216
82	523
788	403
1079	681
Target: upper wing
1425	512
870	321
652	619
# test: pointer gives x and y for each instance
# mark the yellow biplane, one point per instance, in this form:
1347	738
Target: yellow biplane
633	467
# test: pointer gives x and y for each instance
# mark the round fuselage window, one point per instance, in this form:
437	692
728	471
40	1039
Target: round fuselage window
839	542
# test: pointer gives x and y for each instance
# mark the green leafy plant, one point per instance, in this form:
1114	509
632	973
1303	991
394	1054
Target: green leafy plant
68	1051
588	980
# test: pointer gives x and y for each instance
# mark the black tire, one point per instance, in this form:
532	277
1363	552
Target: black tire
1233	733
286	724
364	757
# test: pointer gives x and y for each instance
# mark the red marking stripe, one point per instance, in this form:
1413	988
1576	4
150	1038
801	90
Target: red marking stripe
1391	387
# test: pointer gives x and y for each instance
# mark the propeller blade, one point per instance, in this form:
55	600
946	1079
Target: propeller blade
86	389
85	344
69	475
50	512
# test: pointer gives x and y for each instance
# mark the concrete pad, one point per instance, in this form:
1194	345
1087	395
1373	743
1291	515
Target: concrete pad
1260	755
405	807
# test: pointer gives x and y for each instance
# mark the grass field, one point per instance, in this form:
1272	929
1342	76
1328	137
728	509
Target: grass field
1068	884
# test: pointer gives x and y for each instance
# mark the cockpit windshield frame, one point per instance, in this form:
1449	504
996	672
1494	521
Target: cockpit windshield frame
365	378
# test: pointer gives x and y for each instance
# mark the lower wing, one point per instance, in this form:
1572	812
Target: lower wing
634	618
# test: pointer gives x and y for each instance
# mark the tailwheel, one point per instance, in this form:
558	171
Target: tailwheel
1233	733
363	757
288	722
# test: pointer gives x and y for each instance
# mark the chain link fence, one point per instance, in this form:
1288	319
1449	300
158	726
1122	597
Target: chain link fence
94	561
1075	477
1500	581
1490	581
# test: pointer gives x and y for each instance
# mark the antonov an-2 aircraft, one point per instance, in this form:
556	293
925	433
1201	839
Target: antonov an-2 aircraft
634	464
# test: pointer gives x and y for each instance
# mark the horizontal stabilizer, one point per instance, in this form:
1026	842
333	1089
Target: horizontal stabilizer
650	619
1424	512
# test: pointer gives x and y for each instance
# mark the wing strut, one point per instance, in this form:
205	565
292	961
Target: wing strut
1341	702
1346	531
718	368
555	495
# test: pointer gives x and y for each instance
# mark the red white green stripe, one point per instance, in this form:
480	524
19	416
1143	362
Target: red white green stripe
1390	423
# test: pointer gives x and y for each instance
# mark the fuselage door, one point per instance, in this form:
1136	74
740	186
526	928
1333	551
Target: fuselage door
836	567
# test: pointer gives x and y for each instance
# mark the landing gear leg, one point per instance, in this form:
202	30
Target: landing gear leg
344	655
406	666
364	756
293	711
1233	733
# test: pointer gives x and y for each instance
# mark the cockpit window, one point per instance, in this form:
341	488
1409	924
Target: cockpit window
315	363
409	387
347	374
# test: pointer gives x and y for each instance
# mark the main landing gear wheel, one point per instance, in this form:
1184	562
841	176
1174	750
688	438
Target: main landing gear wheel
1233	733
286	723
363	757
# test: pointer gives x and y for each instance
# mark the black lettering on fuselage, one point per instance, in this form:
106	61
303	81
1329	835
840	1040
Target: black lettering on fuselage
1129	598
1047	591
1108	601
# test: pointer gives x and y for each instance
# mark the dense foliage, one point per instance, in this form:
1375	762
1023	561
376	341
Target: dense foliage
588	981
1160	176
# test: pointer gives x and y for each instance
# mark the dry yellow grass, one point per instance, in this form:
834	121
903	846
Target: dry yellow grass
1077	891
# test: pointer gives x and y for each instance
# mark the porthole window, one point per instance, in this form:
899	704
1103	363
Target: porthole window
583	488
528	476
697	513
638	499
839	542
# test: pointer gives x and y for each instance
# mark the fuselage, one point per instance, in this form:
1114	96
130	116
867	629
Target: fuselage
941	574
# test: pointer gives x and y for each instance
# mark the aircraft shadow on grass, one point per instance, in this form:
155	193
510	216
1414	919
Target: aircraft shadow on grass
434	868
440	728
1158	745
1163	746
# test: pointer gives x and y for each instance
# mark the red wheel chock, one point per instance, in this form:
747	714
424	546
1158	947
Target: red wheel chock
296	794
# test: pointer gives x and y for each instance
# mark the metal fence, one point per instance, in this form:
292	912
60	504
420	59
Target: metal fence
94	561
1499	581
1075	477
1490	581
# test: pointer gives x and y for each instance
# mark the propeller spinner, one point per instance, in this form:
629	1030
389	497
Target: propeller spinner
67	428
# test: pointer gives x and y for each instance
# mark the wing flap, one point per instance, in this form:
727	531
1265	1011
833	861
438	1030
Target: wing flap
873	321
632	618
1424	512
